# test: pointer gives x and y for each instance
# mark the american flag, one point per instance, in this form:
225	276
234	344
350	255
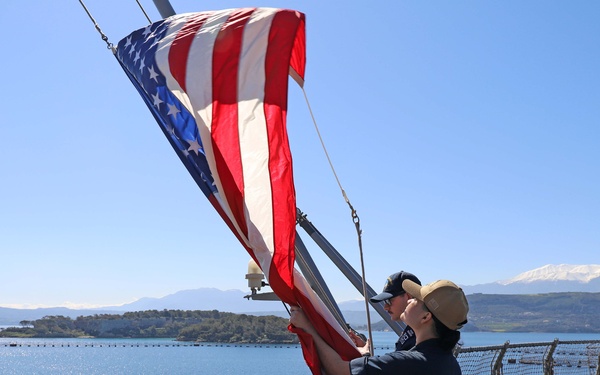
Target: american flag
216	83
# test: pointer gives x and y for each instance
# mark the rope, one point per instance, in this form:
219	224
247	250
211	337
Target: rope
325	149
102	35
143	11
355	219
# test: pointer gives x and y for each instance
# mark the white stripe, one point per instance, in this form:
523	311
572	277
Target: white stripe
254	146
199	76
199	88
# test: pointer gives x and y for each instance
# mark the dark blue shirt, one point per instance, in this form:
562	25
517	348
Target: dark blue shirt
406	340
427	358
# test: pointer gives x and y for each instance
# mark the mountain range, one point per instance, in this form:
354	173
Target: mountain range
547	279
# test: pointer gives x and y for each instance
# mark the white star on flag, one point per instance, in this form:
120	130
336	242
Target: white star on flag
173	110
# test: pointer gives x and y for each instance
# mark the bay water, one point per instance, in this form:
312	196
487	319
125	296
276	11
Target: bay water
166	356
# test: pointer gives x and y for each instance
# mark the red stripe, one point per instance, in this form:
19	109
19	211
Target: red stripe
298	59
224	132
180	48
279	50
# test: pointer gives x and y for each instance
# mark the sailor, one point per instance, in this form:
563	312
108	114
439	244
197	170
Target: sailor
394	299
436	312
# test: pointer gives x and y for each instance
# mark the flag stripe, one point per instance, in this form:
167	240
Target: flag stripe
254	142
282	32
224	132
298	58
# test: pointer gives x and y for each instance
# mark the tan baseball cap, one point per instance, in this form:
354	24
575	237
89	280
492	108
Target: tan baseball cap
444	299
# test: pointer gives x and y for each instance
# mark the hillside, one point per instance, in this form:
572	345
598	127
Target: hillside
553	312
201	326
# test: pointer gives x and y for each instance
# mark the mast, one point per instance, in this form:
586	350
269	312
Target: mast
347	270
164	8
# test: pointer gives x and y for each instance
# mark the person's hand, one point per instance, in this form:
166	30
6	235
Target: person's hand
362	346
365	349
358	341
299	320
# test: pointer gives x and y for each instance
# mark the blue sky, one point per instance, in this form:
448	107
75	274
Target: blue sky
464	133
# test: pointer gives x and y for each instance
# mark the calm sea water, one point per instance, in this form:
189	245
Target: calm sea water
164	356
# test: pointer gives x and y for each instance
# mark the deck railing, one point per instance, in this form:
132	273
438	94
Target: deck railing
544	358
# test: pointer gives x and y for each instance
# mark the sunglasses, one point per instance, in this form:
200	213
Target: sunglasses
388	302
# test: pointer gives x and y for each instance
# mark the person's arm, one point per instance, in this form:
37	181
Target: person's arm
331	361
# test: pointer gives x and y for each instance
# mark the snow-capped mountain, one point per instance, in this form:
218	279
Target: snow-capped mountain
547	279
561	272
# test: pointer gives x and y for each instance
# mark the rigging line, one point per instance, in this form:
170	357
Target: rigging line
324	148
364	285
143	11
109	45
355	219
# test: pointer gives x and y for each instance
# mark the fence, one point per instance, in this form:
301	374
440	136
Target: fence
545	358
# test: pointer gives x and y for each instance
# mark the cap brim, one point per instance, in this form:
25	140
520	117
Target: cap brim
413	289
381	296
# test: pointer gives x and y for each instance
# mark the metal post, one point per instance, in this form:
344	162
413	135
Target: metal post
315	280
345	268
164	8
549	359
497	364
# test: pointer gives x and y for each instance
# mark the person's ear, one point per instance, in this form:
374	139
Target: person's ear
426	317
